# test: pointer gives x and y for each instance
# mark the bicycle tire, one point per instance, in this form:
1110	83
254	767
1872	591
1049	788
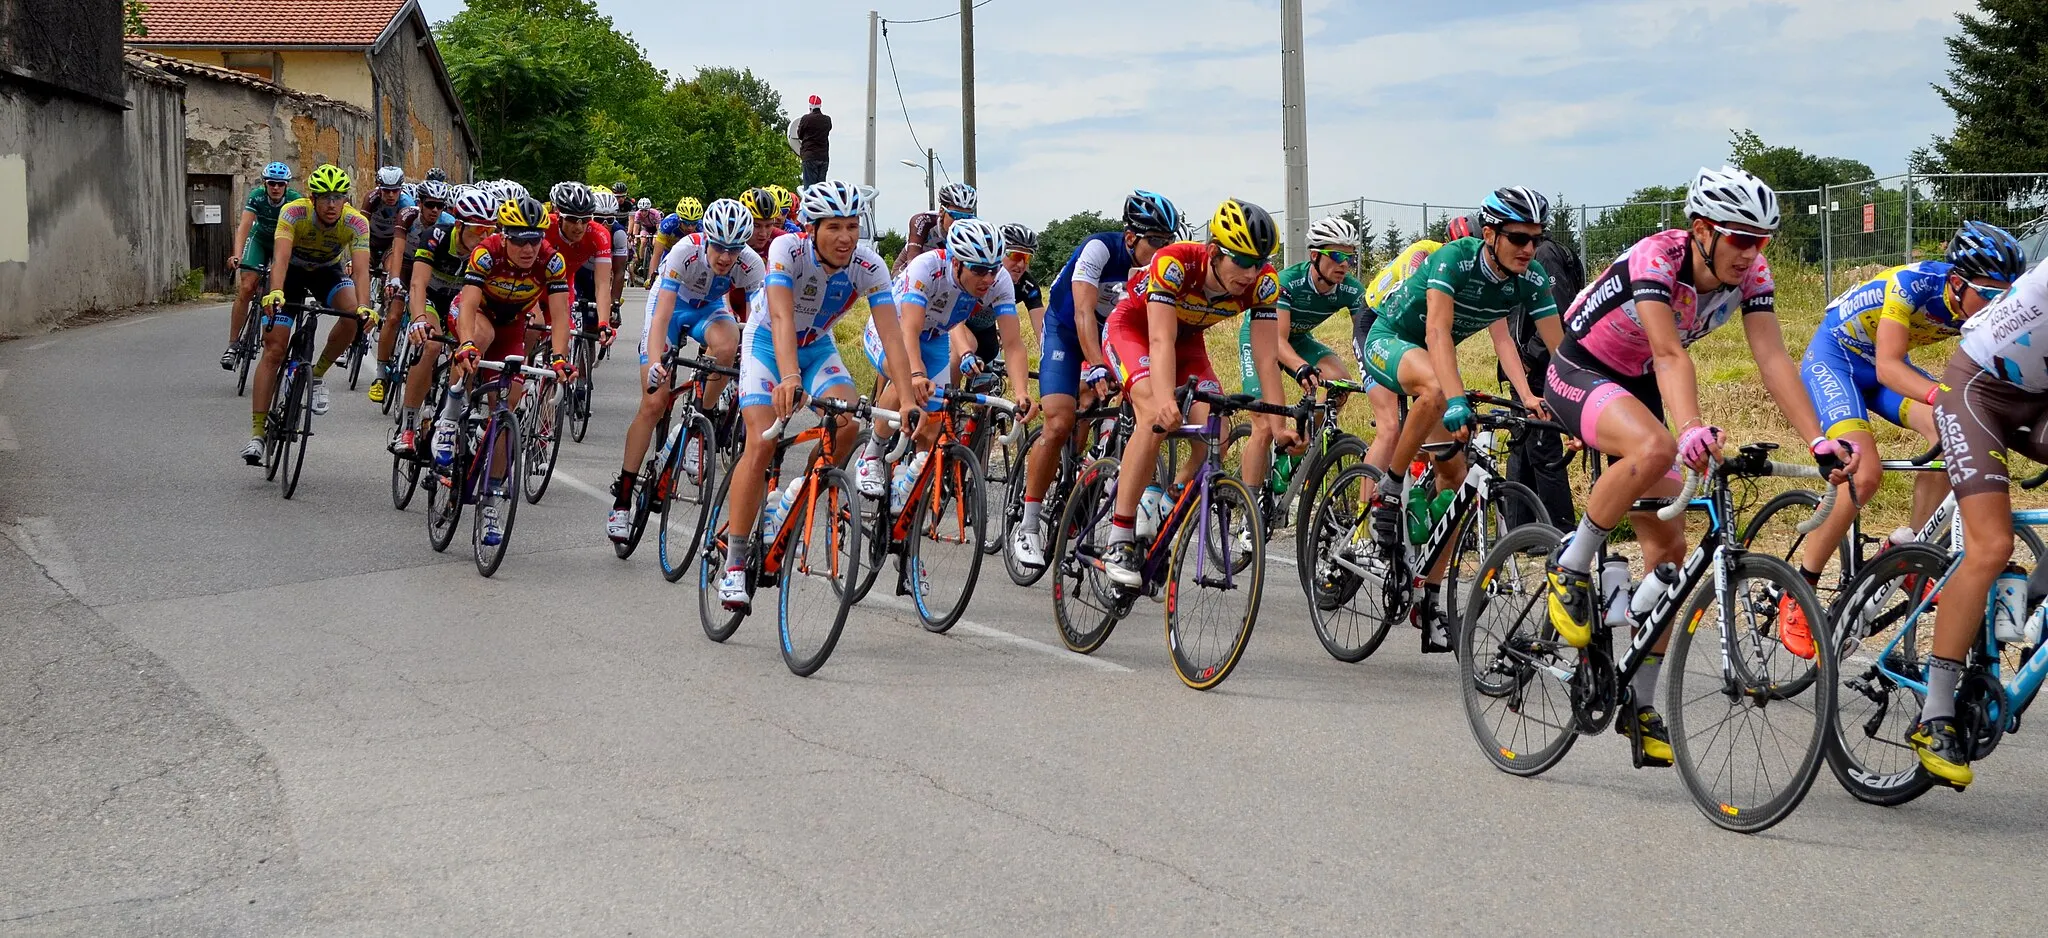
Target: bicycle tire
962	483
719	623
1775	525
1003	466
1234	506
490	556
405	480
1083	522
543	439
585	389
642	505
1486	526
685	495
358	349
1334	588
1872	714
394	383
299	428
831	502
274	437
1013	512
252	349
1489	672
1703	782
875	522
447	487
1342	453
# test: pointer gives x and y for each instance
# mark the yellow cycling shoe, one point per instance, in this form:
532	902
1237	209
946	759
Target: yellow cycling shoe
378	388
1942	751
1646	728
1571	604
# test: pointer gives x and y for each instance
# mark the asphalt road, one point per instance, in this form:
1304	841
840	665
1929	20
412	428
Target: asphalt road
225	713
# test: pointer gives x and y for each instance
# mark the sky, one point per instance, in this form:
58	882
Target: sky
1079	101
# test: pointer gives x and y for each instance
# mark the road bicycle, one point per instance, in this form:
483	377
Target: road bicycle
251	340
1099	433
1747	735
394	309
406	470
288	430
1288	495
486	469
681	476
359	348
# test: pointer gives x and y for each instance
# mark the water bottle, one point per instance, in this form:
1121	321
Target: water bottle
906	476
2009	604
1898	536
1661	581
1418	514
1614	590
2035	625
1284	465
1151	508
776	508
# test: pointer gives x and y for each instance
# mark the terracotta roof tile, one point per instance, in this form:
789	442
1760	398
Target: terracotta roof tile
268	23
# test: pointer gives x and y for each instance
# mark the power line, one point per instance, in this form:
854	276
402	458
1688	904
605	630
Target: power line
897	80
934	19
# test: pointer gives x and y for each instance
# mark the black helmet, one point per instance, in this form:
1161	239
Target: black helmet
573	199
1986	250
437	174
1514	204
1020	238
1150	212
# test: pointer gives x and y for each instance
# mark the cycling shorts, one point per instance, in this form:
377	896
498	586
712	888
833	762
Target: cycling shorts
1980	418
1381	355
1845	389
1579	393
1306	346
323	284
936	352
256	253
1129	354
819	363
510	339
1059	360
694	321
583	285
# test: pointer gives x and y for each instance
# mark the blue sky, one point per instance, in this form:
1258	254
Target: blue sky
1079	102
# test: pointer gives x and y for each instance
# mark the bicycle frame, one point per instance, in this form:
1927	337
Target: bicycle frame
1154	564
949	432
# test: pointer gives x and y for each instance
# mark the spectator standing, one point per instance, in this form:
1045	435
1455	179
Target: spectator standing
812	131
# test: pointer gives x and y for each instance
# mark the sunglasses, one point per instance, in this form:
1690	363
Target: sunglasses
525	236
582	218
1743	240
1158	240
275	183
1522	239
432	206
958	216
1245	261
1020	255
1990	294
329	198
719	248
1340	257
989	269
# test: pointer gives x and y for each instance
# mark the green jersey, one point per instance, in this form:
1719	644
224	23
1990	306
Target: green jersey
1306	307
266	211
1481	299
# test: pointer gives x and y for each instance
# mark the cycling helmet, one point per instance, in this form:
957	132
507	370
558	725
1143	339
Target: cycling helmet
727	223
1150	212
607	203
1514	204
959	197
513	190
1986	250
472	205
785	200
643	204
761	202
522	216
327	179
1460	227
689	209
437	174
1243	228
976	242
832	199
434	190
1018	237
1732	196
389	177
573	199
277	172
1333	232
671	227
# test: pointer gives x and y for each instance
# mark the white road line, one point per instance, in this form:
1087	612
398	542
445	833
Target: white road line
130	322
582	486
43	344
8	441
37	537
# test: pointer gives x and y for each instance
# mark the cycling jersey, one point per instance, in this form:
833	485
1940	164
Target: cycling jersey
595	243
1480	296
259	204
510	292
1912	295
647	220
928	281
384	216
701	293
1179	276
1308	306
1603	321
2009	338
318	245
1101	259
443	254
1398	270
821	296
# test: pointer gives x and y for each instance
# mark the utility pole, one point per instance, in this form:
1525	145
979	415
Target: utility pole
931	186
874	21
967	88
1294	127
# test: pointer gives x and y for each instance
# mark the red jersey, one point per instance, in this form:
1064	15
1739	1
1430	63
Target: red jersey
595	243
1179	275
510	292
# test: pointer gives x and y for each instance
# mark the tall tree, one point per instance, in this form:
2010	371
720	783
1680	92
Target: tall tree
525	91
764	101
1057	242
1998	90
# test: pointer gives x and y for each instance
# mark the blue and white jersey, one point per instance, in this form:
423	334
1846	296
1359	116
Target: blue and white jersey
1101	260
821	296
928	281
686	271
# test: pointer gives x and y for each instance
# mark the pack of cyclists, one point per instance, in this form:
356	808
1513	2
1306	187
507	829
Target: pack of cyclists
757	281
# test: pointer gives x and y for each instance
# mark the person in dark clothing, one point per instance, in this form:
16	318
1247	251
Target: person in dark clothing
1536	461
812	149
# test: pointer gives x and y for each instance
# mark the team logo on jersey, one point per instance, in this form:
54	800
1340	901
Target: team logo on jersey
556	266
1268	289
480	260
1169	274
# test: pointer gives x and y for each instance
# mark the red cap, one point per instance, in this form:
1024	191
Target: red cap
815	102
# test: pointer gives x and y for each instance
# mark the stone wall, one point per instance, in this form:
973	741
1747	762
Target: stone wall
417	125
235	125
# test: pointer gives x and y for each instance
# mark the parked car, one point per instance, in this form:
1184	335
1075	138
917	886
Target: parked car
2034	237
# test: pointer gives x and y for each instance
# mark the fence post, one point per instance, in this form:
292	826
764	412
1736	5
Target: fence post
1423	231
1663	216
1585	250
1909	219
1827	244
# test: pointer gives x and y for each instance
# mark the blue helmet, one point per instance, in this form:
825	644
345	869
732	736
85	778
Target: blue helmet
277	172
1986	250
671	226
1150	212
1514	204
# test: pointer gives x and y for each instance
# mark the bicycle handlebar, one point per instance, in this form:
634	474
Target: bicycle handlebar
519	362
858	409
986	400
1769	467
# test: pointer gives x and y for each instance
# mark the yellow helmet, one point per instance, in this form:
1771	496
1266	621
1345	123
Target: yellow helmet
785	201
327	179
1243	228
762	203
689	209
522	214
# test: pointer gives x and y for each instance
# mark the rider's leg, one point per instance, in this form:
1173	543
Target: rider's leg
238	315
1425	410
1386	431
1823	542
344	330
721	341
1929	488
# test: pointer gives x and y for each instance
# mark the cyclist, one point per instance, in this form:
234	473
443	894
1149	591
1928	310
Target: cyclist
326	240
642	226
436	280
1623	382
787	351
417	224
1857	364
689	298
938	291
608	215
675	226
1386	405
927	230
1310	292
1993	401
979	340
253	235
760	203
785	202
1087	290
383	206
585	247
1157	331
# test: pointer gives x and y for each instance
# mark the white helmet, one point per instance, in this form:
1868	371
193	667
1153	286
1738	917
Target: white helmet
959	196
727	223
389	177
831	199
976	242
1333	232
1732	196
607	203
513	191
475	205
644	204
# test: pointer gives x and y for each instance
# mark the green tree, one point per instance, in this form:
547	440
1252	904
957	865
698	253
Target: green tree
1998	90
131	19
1392	242
890	244
1059	239
1791	167
764	101
1364	226
526	93
1645	213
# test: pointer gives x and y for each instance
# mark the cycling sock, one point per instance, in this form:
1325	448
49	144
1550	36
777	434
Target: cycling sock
622	491
1032	507
1123	529
1942	676
1583	546
257	421
876	446
1812	578
1644	684
320	370
735	553
408	418
451	404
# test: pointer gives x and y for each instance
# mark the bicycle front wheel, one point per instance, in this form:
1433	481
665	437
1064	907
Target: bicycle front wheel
1746	747
1013	513
1484	528
683	498
947	525
719	622
821	559
543	438
580	420
1884	625
445	488
1774	530
298	430
1350	590
1316	476
1509	658
1086	604
1212	596
1003	465
497	488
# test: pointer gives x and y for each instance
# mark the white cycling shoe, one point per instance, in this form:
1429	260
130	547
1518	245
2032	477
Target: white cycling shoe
1028	546
619	527
871	476
732	591
320	401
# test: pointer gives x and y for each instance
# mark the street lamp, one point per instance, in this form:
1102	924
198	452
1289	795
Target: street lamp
931	193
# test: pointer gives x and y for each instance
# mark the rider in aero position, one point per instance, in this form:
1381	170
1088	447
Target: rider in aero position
1623	365
1157	331
327	240
689	298
1310	292
1087	290
585	247
1992	401
787	351
1857	363
253	236
928	229
936	292
437	278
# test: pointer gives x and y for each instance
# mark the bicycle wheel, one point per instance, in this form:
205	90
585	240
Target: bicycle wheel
543	438
1013	512
299	430
1520	712
1343	453
1485	527
1350	591
497	490
872	514
943	554
822	557
252	349
445	490
277	442
642	506
1211	606
685	497
1003	465
1086	604
1774	530
719	622
394	376
358	350
1746	750
405	480
1867	749
579	425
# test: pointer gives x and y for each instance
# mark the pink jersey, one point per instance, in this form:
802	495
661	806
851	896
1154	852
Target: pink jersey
1603	319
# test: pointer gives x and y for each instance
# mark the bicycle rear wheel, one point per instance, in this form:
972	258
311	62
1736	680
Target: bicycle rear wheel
683	498
1212	598
719	622
1343	453
872	514
543	439
1350	590
1867	749
1003	468
1520	711
1746	749
822	556
1086	604
579	424
298	433
497	490
947	527
405	480
1013	513
642	505
252	349
276	442
394	376
446	488
358	350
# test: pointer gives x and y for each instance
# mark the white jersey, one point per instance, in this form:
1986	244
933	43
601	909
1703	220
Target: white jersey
821	297
928	281
686	272
2009	338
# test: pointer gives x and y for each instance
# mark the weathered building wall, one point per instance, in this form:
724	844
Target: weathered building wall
338	75
237	127
417	125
